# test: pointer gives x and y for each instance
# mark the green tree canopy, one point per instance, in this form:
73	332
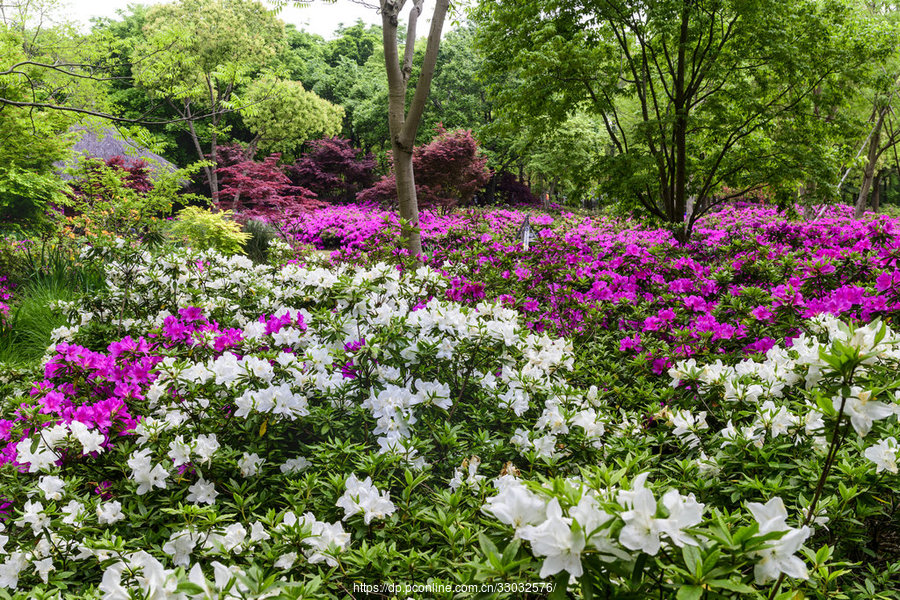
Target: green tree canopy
282	115
697	96
202	51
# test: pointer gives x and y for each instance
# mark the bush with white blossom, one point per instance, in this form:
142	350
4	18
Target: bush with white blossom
211	428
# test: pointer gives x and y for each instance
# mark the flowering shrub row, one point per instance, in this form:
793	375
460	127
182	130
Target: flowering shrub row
748	277
208	428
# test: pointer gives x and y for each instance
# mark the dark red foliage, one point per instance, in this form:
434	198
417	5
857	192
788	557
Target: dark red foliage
448	172
333	169
262	190
512	192
230	154
136	173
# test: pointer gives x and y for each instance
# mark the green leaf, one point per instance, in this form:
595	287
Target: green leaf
691	559
731	586
189	587
639	567
560	585
689	592
487	546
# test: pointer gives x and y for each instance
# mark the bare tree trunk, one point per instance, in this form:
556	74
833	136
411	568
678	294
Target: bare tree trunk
404	123
689	209
209	171
876	191
680	126
871	159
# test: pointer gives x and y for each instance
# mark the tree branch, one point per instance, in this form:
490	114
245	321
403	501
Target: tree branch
409	48
423	85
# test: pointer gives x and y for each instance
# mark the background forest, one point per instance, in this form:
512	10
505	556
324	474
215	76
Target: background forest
797	115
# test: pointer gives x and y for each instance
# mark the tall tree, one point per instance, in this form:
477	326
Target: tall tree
404	117
694	94
203	50
884	84
404	122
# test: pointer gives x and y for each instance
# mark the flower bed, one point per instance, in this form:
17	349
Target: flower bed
211	428
748	277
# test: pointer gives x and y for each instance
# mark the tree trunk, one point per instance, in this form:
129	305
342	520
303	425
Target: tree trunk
213	156
404	123
680	126
406	196
212	177
876	191
871	159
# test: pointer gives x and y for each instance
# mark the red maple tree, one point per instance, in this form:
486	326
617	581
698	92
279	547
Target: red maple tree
448	172
262	190
333	169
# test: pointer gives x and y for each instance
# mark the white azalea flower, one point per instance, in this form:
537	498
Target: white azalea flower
145	474
517	506
249	464
642	528
779	557
52	487
557	541
884	455
362	496
294	465
202	491
110	512
180	545
862	410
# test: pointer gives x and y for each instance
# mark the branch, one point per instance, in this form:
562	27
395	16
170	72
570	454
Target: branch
93	113
409	48
58	67
745	129
609	129
423	85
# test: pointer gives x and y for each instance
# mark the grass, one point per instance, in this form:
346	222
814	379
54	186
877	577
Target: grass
49	276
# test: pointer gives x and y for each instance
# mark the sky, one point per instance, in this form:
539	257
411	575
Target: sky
318	17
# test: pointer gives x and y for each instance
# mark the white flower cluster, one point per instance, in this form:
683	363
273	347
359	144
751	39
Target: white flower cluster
324	541
563	410
363	497
307	367
778	557
41	452
762	387
148	574
636	523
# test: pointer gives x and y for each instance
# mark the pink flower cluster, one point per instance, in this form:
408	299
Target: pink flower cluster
93	388
749	275
5	296
189	327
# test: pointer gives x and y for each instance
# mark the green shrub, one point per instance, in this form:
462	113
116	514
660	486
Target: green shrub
261	236
109	200
12	259
206	230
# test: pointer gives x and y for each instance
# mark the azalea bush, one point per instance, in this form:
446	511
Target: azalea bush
207	427
749	276
5	296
